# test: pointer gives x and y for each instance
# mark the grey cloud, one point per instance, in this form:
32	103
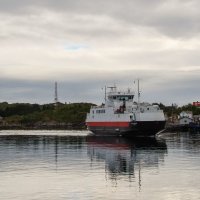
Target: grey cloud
163	58
156	86
172	18
13	90
88	6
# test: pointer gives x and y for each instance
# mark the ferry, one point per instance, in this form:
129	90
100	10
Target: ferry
121	115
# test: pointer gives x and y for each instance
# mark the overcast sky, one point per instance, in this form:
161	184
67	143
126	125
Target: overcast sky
87	44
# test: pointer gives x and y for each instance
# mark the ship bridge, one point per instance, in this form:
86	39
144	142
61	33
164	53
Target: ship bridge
115	95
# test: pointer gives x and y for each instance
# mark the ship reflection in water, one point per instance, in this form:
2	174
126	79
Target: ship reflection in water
125	157
72	165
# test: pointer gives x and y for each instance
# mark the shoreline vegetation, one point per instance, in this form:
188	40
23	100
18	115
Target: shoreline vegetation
46	116
60	116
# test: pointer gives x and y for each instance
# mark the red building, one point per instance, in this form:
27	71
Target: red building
196	104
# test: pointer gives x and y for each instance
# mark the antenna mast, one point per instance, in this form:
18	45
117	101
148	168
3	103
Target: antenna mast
56	94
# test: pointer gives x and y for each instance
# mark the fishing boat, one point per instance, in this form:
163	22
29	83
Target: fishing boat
122	115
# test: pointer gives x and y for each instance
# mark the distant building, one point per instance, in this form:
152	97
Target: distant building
185	117
196	118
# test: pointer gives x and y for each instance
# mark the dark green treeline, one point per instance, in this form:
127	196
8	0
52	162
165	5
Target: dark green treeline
31	114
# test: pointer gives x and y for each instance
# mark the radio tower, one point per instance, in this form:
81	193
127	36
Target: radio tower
56	95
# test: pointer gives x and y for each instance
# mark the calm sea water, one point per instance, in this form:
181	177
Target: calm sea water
58	165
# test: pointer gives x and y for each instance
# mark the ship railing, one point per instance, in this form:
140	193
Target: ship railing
101	106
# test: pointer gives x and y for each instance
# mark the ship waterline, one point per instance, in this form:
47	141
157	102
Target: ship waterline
126	128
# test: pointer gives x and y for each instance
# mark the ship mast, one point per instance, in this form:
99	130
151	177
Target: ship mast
105	94
138	94
138	91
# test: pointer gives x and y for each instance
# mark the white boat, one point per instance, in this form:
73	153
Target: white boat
122	115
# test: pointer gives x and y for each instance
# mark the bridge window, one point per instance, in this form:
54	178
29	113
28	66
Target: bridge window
100	111
124	97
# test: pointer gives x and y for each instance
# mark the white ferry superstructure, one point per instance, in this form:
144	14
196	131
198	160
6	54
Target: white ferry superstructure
121	115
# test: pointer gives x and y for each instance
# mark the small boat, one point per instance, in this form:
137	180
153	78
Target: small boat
121	115
194	126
